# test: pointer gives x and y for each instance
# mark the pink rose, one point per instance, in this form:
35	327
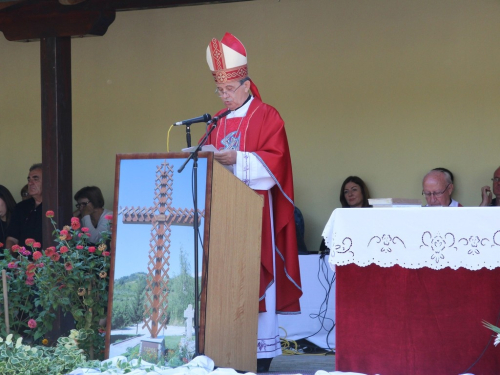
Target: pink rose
30	281
37	245
68	266
49	214
37	255
15	248
12	265
63	232
29	241
32	323
63	249
105	253
91	249
55	257
85	229
79	247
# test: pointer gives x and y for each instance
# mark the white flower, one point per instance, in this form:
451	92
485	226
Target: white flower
497	340
8	339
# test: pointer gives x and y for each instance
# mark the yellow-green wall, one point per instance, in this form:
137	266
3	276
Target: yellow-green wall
383	89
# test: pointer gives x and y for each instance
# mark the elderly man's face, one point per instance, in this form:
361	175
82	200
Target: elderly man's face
496	183
436	190
35	183
233	94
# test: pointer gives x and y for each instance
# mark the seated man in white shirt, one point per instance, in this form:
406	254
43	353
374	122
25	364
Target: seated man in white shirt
486	193
437	186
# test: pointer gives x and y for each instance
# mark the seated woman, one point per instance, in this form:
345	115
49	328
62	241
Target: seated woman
353	194
7	205
91	211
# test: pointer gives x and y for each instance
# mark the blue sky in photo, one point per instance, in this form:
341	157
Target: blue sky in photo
136	188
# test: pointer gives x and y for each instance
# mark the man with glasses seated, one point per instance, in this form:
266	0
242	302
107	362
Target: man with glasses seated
27	219
437	188
486	194
252	139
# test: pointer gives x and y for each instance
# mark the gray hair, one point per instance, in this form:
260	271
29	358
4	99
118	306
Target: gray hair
36	166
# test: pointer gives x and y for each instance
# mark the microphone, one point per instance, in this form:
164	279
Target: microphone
222	115
204	118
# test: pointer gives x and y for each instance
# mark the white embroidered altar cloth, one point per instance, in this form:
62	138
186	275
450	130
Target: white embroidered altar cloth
434	237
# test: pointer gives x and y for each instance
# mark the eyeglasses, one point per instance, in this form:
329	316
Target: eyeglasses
82	204
495	179
437	194
220	92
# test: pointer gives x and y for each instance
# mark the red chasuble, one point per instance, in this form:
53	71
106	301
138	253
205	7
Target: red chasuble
262	133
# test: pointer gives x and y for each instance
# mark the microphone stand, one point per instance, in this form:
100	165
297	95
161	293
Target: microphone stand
188	135
194	157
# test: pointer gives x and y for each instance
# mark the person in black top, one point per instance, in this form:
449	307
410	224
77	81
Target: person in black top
27	219
486	191
7	206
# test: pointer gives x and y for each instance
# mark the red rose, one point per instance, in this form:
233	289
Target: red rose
29	241
37	245
63	249
55	257
15	248
91	249
49	214
37	255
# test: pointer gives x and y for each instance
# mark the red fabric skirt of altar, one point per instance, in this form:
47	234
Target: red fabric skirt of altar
398	321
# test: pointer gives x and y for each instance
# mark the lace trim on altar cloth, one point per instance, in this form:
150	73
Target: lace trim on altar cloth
470	244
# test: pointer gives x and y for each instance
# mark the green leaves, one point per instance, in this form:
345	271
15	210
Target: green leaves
38	288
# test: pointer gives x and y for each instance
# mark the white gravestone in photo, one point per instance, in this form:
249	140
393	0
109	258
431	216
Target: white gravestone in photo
189	315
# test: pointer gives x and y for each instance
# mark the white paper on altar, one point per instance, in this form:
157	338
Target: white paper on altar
433	237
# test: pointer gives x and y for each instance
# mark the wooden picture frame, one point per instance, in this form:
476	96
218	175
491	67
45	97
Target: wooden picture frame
230	227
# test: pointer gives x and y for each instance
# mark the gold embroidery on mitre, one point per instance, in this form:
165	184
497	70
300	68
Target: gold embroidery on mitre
228	75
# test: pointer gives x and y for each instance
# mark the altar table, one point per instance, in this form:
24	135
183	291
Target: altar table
413	286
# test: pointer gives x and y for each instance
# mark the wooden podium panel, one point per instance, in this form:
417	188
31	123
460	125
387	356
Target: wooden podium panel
233	272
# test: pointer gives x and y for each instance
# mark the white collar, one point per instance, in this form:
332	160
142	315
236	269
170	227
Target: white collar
242	111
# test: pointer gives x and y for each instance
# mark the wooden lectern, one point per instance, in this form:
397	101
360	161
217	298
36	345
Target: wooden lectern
232	266
232	212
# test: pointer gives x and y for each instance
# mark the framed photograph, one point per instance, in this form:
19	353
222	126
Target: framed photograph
152	278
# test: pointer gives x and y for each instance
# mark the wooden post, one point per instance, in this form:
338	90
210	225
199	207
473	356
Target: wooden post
5	301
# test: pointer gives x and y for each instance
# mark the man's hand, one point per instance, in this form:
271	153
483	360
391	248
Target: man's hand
485	196
227	157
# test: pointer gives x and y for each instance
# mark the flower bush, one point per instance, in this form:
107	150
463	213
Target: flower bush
71	276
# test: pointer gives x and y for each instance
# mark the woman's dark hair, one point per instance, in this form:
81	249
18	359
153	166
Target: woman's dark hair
93	194
10	203
364	191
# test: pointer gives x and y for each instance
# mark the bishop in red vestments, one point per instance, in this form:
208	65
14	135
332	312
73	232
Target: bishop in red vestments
252	139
